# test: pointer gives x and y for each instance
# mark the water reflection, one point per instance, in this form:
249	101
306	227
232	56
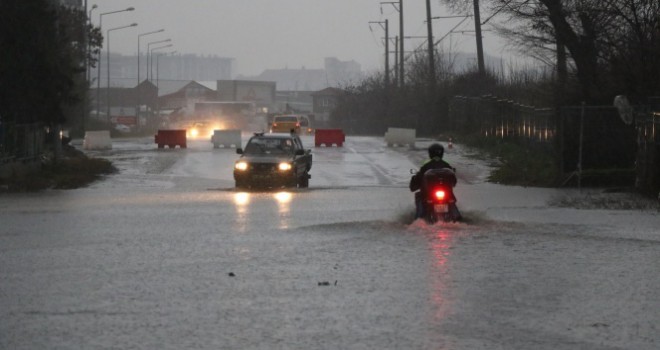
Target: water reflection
440	243
242	201
247	203
284	208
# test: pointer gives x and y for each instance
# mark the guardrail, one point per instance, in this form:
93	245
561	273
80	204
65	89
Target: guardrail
97	140
171	138
329	137
226	138
400	137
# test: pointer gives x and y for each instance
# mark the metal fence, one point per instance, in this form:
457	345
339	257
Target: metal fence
20	144
648	152
503	119
595	137
585	139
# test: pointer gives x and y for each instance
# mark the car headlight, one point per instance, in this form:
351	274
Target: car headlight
194	132
241	166
285	166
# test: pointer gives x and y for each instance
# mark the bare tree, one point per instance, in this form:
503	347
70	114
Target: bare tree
599	35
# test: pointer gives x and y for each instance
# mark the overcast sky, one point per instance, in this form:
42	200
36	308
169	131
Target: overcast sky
273	34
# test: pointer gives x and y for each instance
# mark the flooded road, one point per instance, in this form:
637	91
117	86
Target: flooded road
167	255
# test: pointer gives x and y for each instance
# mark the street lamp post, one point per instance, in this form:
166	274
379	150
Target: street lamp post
149	55
98	74
151	58
158	79
107	91
137	87
138	52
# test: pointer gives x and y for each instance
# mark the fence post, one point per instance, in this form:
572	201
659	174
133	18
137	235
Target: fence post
579	165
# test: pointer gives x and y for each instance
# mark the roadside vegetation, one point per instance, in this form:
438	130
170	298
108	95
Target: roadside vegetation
583	52
514	164
72	170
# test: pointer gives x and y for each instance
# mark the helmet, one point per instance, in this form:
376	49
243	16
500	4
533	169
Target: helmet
436	150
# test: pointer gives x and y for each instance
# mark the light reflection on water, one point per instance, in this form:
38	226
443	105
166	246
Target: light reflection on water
284	208
440	243
243	203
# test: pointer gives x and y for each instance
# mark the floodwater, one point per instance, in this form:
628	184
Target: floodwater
167	255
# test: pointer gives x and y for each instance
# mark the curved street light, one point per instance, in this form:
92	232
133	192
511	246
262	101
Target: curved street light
151	58
98	74
107	92
137	87
158	78
151	65
149	76
138	51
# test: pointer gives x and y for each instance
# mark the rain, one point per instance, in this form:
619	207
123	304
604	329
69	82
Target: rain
167	254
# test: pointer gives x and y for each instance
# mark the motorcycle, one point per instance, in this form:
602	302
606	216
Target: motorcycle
434	199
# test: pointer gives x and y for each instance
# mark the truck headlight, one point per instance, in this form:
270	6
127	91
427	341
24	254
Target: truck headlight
285	166
242	166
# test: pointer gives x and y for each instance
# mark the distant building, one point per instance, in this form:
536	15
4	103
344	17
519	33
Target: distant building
294	79
175	95
324	102
341	73
293	102
261	93
185	67
335	73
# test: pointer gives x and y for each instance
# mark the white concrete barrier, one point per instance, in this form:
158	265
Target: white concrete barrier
95	140
400	137
226	138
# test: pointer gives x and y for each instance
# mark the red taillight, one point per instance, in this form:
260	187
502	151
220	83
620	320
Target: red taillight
440	194
297	125
274	124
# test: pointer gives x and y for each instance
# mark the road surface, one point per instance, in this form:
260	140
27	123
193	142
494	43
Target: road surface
167	255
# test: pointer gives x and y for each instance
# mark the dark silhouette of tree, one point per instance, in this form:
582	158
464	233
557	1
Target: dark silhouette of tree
42	60
610	43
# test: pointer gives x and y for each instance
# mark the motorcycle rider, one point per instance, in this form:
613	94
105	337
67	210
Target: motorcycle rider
436	152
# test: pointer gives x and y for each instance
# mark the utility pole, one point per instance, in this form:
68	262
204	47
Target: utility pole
387	49
396	60
480	48
399	66
387	54
429	26
401	76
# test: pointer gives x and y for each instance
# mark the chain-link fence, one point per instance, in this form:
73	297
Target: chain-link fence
595	142
589	141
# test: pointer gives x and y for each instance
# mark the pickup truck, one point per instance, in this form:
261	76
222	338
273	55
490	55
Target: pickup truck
272	161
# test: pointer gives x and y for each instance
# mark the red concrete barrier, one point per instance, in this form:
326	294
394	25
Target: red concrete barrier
171	138
329	137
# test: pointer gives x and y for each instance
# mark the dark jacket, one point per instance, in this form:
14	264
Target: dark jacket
433	163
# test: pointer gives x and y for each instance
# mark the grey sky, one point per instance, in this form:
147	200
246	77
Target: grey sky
263	34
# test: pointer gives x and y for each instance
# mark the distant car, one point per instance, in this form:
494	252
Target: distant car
272	161
200	130
123	128
305	125
286	123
